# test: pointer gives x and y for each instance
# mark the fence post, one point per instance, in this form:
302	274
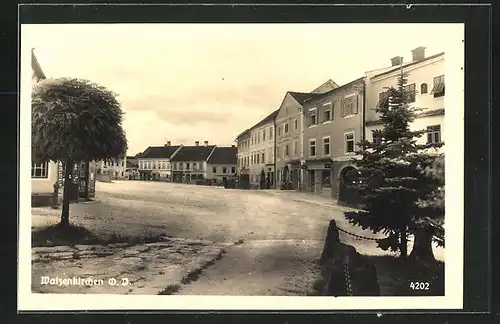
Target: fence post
332	238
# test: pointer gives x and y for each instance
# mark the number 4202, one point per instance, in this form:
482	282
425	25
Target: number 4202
419	285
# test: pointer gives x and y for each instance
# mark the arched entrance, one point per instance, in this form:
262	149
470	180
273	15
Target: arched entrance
348	193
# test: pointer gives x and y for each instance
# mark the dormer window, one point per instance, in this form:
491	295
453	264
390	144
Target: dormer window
423	88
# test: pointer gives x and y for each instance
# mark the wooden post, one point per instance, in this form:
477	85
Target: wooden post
332	238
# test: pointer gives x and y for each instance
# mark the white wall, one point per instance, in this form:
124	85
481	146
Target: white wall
218	174
264	146
45	185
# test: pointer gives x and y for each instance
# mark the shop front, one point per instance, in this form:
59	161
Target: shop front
319	177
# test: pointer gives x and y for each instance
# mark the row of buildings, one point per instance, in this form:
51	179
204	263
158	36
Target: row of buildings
176	163
308	143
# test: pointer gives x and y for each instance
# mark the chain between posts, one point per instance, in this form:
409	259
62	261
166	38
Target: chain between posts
358	236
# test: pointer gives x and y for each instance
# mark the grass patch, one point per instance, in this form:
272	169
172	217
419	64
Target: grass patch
55	235
395	276
170	290
195	274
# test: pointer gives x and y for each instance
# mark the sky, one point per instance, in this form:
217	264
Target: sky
209	82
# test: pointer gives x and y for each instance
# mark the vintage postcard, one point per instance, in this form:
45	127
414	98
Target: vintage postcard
241	166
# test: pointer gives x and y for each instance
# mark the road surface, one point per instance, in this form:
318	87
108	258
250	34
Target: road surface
279	233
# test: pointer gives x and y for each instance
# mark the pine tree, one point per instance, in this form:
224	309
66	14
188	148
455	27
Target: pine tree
394	183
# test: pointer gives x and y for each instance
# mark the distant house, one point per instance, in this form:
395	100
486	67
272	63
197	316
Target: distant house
43	175
132	168
189	164
155	162
115	168
221	165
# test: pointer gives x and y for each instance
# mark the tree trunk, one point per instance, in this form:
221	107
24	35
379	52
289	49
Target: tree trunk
422	246
403	246
68	168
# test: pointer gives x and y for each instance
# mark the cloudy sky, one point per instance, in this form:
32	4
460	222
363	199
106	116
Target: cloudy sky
188	82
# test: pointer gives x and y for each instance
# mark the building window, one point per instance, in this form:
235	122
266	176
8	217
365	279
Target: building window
349	142
286	128
188	165
410	92
312	118
270	132
295	124
163	165
326	176
377	138
123	163
278	130
168	165
286	150
295	148
39	170
312	147
258	158
349	106
327	114
224	169
214	169
423	88
383	97
262	158
433	134
277	151
264	135
326	146
438	88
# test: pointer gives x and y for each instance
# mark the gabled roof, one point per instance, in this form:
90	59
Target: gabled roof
224	155
408	64
246	131
267	119
336	89
36	66
302	97
193	153
327	86
158	152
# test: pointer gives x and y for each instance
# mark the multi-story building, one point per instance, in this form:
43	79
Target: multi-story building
221	165
115	168
243	155
262	144
333	124
289	135
132	168
426	79
154	163
189	163
43	175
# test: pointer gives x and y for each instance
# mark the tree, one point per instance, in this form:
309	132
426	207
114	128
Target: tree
73	121
393	179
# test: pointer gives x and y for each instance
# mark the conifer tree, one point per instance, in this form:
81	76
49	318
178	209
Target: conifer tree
395	184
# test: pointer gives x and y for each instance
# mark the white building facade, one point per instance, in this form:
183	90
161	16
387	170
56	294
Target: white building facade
426	77
262	151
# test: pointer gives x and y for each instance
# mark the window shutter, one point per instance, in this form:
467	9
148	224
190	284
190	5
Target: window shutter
355	110
429	138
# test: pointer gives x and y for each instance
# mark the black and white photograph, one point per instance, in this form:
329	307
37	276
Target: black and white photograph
241	166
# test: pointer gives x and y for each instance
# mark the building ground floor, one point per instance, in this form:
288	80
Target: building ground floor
289	174
333	179
188	176
47	182
258	176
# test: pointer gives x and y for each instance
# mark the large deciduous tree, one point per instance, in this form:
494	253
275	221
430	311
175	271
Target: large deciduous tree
73	121
396	187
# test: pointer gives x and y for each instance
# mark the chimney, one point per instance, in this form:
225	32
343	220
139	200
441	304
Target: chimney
233	145
168	143
397	60
197	143
418	53
206	143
